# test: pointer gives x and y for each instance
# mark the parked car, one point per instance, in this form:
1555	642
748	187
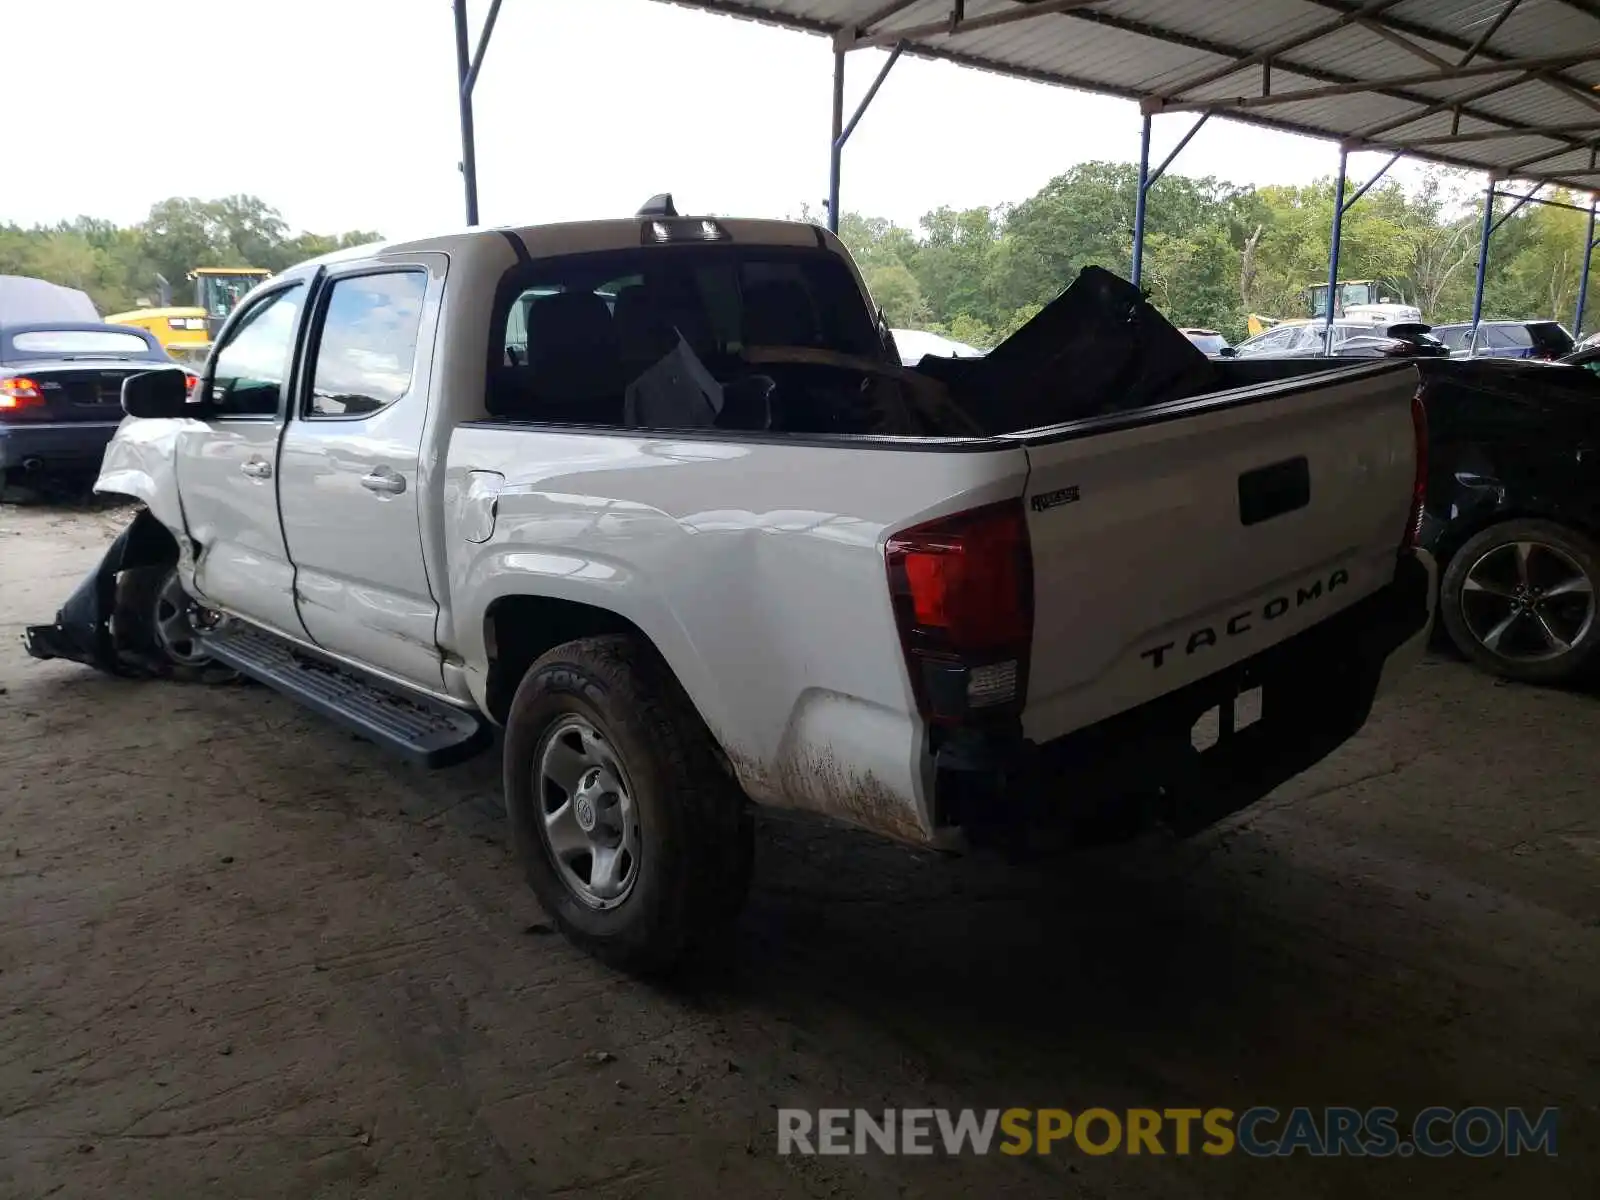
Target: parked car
1548	340
1208	341
1591	342
1351	339
711	544
1586	355
1513	513
61	393
913	345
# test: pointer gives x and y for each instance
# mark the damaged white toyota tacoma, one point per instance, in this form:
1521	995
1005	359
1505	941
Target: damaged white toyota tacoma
656	498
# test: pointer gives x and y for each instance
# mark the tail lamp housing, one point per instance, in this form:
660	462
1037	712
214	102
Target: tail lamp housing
18	392
1419	480
962	591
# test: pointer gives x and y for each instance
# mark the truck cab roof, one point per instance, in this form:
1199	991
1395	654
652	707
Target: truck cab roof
583	237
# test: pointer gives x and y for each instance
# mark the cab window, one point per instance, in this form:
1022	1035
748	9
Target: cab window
250	366
367	345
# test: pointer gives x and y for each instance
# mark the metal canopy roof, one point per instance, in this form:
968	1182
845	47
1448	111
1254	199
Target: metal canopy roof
1507	86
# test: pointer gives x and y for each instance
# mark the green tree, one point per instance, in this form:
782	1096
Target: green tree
121	268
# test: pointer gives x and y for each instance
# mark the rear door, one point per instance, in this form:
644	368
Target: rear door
1167	549
227	465
350	481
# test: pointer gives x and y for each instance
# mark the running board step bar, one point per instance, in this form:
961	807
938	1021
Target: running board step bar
423	729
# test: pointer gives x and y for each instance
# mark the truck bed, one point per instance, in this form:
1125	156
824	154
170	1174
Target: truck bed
1168	543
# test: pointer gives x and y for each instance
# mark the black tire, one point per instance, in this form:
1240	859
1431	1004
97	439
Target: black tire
144	596
1542	601
693	831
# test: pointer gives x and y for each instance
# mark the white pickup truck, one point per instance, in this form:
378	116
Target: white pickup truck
656	498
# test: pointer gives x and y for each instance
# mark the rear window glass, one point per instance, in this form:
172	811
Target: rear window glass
1454	337
79	341
578	333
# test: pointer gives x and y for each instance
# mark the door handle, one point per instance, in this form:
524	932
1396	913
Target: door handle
384	481
257	468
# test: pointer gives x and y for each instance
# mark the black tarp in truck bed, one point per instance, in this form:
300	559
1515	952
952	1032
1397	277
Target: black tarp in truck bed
1099	347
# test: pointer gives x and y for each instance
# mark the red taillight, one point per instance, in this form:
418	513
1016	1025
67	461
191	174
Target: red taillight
189	380
1419	480
962	589
18	392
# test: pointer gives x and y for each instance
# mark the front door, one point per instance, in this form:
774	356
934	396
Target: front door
227	467
349	482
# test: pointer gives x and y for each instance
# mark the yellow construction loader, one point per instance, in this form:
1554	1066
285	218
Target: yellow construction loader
186	332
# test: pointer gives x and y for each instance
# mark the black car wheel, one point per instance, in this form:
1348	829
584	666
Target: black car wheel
157	627
630	831
1519	600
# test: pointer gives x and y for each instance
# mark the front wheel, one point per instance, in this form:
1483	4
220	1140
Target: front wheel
157	626
1519	600
630	832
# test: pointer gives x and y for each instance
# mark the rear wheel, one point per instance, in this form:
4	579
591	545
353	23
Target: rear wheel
1520	600
158	626
633	836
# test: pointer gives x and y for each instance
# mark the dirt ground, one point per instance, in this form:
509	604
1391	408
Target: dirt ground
243	955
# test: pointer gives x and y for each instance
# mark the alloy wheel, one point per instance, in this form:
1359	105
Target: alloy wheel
178	623
588	818
1527	601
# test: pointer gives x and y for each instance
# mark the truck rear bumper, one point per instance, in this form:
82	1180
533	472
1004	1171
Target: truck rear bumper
1113	778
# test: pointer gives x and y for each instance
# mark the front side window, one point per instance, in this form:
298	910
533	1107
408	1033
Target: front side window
1267	343
1314	337
368	343
249	368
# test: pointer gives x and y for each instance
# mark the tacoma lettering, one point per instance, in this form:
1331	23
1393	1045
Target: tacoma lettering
1239	623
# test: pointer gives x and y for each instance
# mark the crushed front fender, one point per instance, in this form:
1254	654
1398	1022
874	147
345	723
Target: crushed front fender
82	629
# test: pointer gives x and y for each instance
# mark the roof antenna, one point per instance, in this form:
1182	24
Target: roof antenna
659	206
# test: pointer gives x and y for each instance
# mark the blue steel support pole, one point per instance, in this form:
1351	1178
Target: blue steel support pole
1483	264
835	146
1333	250
1583	277
1138	201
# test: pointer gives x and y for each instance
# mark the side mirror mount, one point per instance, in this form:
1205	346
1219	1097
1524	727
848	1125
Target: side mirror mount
160	393
1227	352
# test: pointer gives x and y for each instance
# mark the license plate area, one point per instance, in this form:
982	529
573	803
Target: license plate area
1232	714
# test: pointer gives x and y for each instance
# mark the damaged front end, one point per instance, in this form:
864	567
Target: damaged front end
82	631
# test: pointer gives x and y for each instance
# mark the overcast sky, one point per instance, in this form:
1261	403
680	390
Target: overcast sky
341	114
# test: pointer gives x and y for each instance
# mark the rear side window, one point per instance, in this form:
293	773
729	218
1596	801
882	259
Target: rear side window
1506	337
367	346
578	332
1455	337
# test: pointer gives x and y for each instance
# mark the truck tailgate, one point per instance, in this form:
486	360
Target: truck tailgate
1171	543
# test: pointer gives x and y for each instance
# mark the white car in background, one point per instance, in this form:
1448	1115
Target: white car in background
914	345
